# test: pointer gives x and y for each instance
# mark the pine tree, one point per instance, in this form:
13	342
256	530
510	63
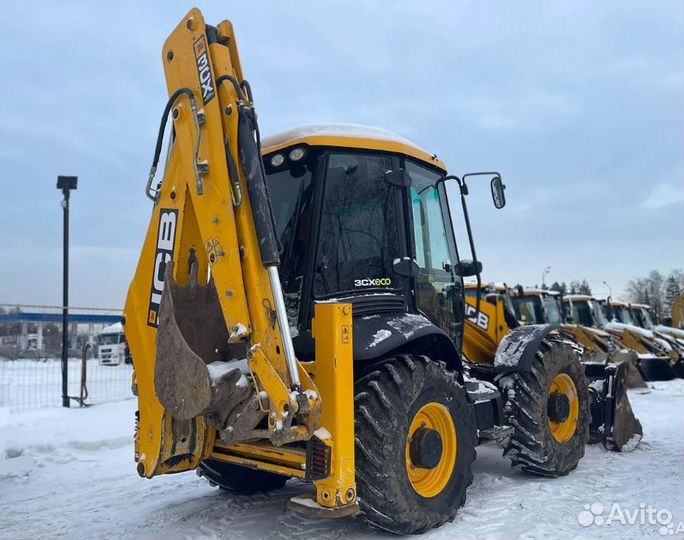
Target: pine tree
584	288
672	291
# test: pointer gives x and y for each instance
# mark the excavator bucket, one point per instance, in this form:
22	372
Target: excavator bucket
612	420
199	371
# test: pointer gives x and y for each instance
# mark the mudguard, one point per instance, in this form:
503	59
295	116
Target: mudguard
516	351
380	335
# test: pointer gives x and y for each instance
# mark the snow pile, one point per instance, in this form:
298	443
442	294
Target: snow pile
620	327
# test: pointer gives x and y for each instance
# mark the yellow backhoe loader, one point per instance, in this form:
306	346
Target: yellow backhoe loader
493	326
654	358
298	308
539	306
641	315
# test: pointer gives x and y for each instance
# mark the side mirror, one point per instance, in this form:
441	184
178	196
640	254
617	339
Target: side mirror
498	195
467	268
406	267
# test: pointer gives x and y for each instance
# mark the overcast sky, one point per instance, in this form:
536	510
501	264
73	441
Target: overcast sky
578	104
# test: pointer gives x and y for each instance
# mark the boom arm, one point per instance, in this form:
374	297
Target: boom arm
220	300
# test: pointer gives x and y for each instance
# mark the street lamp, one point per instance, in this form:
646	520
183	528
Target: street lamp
610	291
66	184
546	271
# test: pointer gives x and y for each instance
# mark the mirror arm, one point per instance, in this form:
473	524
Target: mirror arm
463	188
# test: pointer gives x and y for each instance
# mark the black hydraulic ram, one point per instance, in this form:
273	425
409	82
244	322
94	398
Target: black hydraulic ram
253	168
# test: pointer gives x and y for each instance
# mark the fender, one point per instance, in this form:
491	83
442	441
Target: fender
516	351
381	335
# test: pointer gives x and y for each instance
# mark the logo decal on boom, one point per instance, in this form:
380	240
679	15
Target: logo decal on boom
166	240
203	70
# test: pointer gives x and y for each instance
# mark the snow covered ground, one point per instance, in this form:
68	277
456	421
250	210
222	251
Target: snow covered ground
70	474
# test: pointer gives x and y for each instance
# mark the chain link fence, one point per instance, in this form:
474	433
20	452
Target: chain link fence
99	368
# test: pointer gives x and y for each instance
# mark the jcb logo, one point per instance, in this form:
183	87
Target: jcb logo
166	239
203	70
478	318
373	282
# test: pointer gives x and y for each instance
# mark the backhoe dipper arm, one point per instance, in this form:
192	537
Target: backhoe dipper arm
220	300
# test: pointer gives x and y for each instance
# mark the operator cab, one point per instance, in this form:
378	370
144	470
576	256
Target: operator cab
363	217
537	306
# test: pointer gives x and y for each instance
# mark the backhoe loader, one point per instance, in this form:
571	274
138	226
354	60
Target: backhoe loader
298	308
539	306
603	384
640	315
654	358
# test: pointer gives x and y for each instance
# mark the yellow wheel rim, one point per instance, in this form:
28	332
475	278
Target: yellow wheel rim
430	482
563	431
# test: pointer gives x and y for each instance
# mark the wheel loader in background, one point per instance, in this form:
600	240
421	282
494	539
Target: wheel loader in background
298	312
639	315
539	306
494	325
654	357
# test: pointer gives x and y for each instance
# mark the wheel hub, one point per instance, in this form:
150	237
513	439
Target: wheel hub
558	407
426	448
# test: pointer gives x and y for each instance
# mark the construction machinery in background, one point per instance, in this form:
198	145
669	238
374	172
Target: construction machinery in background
298	312
678	312
642	316
492	327
654	357
540	306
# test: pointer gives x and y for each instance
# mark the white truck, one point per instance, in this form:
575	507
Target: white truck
111	346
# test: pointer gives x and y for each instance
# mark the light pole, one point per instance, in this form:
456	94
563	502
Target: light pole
610	291
66	184
546	271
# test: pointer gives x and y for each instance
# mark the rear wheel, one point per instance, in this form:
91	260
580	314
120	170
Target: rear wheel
415	444
240	480
549	409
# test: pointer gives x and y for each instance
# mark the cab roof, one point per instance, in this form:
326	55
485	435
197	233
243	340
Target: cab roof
498	286
618	303
539	292
348	136
579	297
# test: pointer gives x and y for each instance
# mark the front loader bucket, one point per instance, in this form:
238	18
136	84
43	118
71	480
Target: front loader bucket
632	374
612	420
195	373
678	368
655	368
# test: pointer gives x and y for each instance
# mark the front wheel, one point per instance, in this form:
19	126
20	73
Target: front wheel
415	444
549	409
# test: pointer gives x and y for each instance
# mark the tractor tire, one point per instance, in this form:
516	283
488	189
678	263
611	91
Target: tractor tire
549	409
415	444
240	480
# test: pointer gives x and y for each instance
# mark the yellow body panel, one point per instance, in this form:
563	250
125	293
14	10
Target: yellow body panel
333	372
678	312
483	331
